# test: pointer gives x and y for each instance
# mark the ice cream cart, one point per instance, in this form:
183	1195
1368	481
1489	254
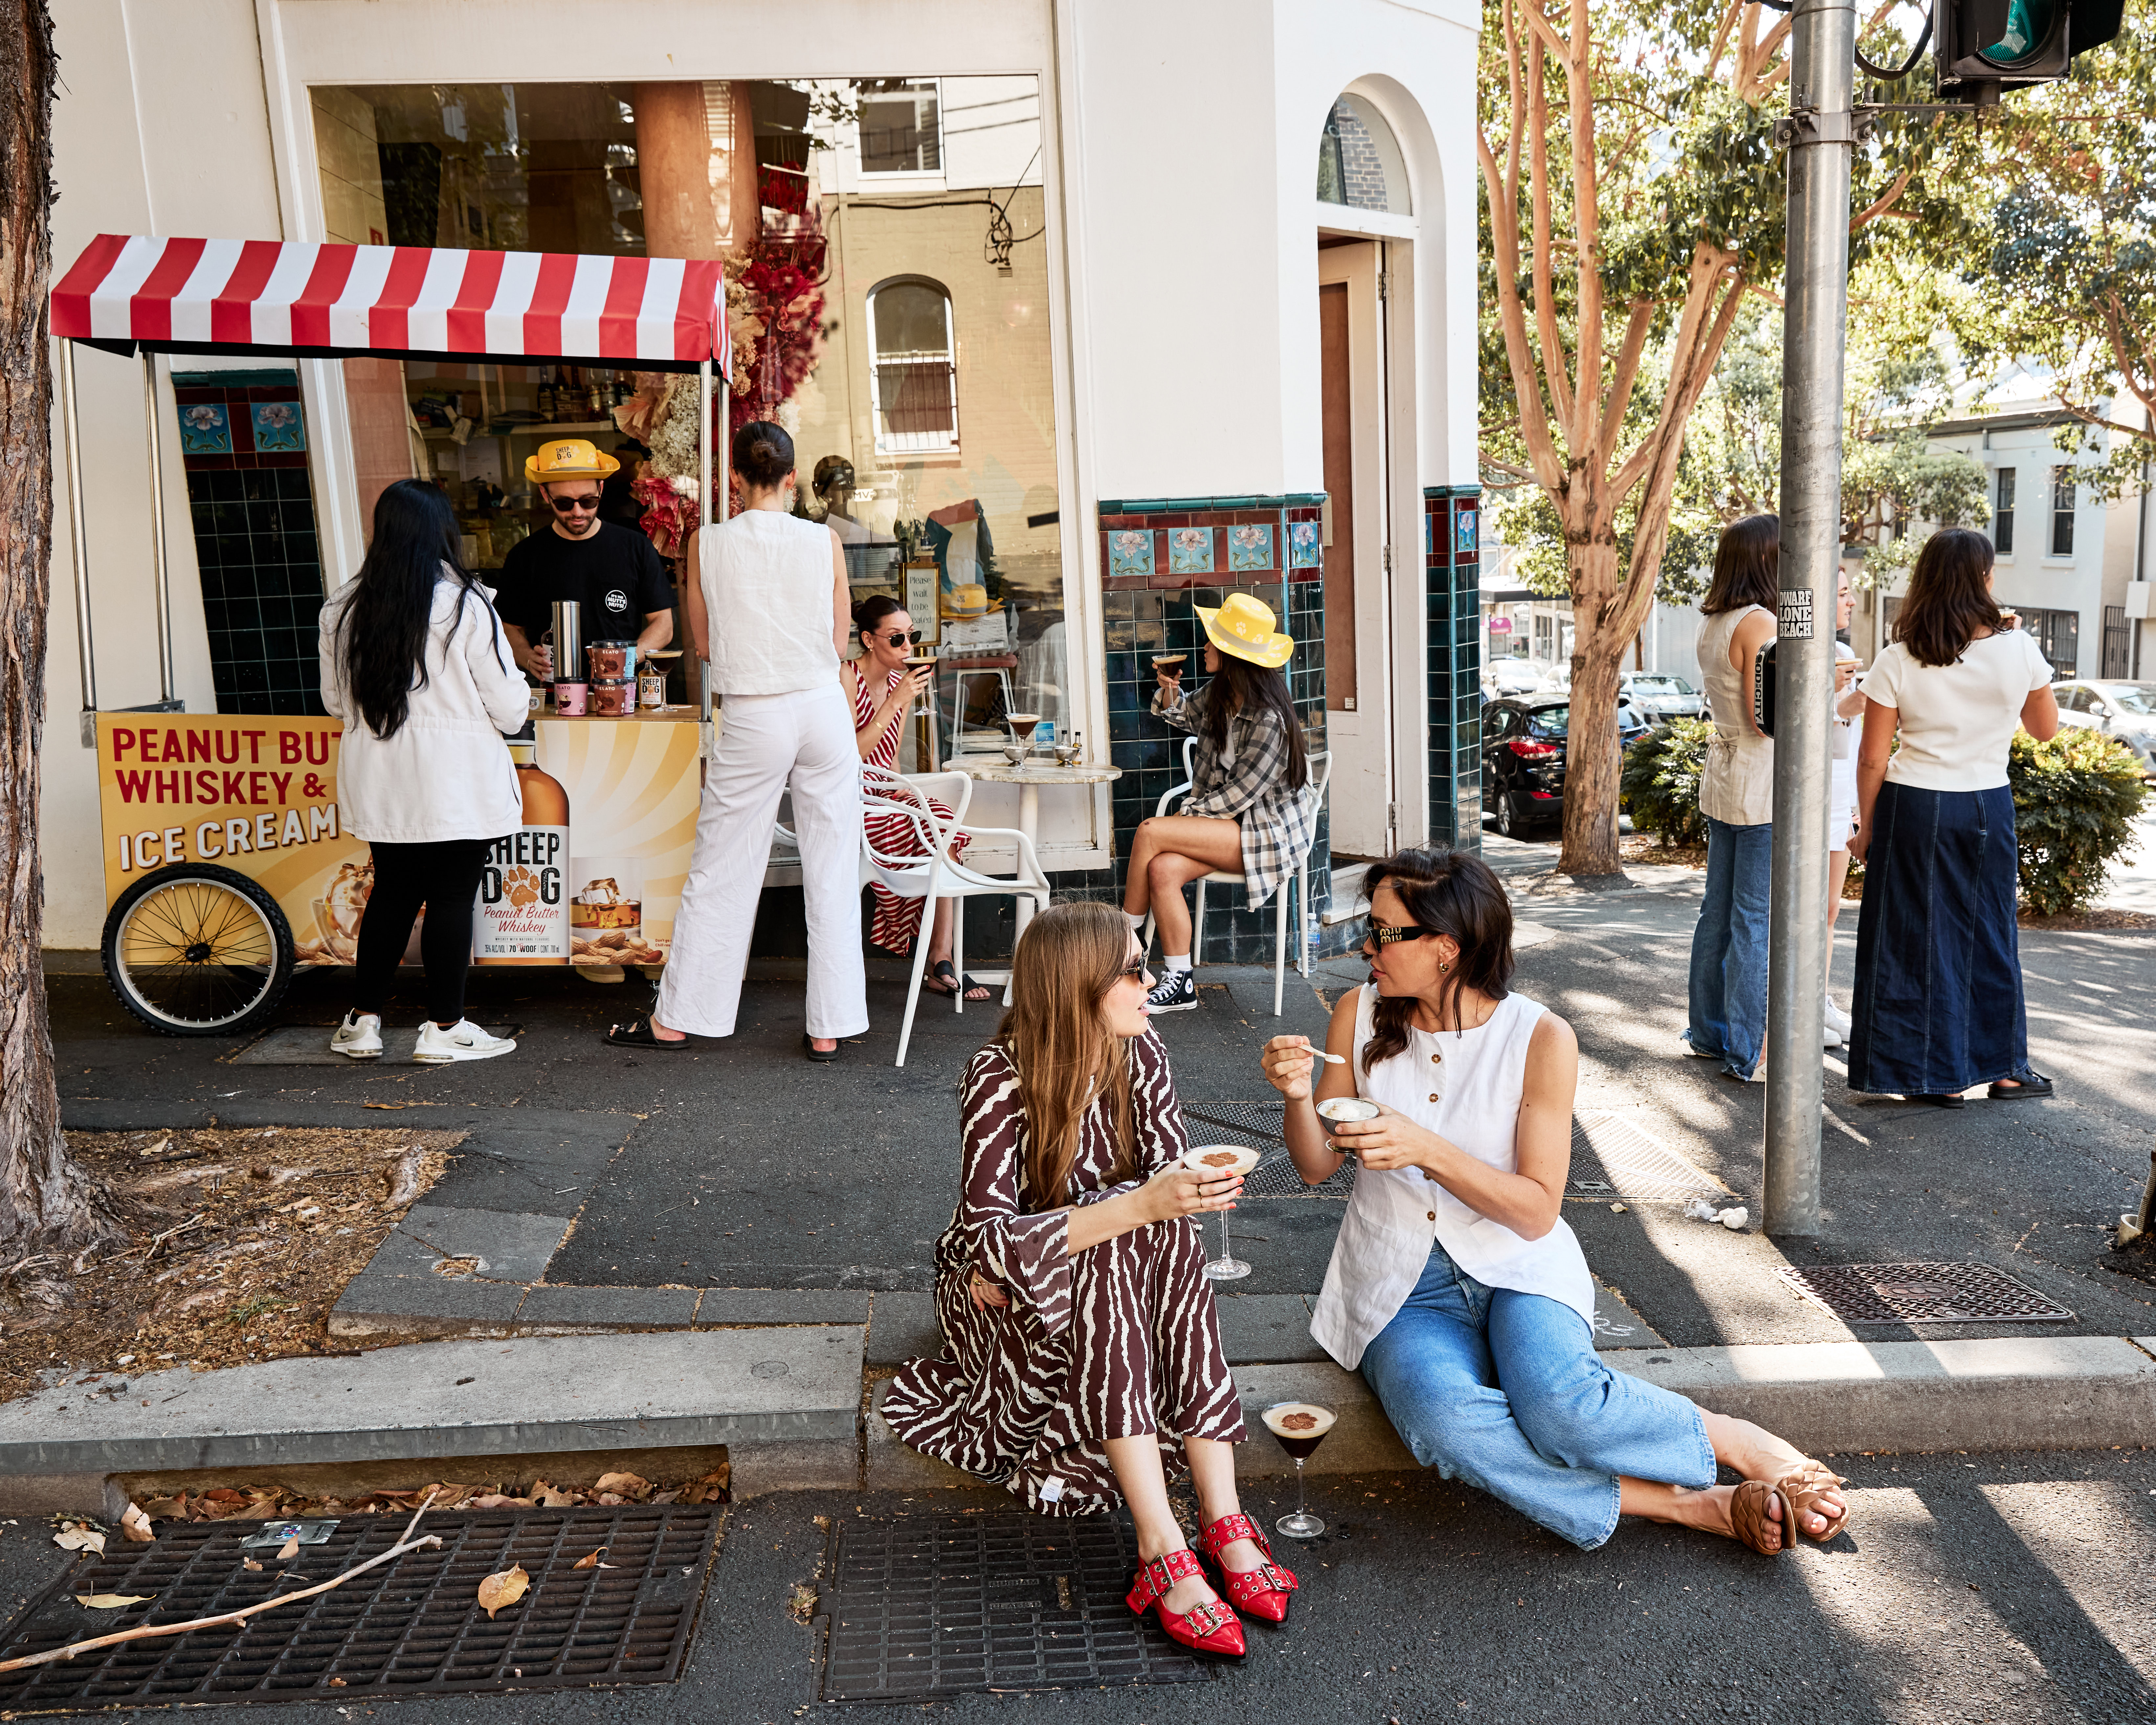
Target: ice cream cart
226	867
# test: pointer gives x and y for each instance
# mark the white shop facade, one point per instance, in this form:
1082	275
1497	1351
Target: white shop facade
1030	283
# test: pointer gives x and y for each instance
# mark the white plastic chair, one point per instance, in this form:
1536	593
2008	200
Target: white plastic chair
1320	779
925	870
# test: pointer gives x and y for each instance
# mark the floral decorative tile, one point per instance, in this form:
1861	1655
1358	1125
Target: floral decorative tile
1130	552
1190	551
204	430
1249	547
1302	545
1463	533
279	429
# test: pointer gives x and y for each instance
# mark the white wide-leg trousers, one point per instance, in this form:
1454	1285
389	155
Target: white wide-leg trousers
767	742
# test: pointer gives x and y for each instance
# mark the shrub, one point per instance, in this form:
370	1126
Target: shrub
2075	800
1658	784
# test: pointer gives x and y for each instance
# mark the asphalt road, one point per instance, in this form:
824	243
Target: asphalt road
2017	1588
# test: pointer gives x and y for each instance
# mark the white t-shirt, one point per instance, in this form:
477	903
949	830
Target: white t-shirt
1958	719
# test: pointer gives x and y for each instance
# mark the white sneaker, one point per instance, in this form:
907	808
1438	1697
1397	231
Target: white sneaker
1838	1022
360	1036
463	1040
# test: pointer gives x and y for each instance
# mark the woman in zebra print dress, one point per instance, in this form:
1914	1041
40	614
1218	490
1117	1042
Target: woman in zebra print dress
1082	1362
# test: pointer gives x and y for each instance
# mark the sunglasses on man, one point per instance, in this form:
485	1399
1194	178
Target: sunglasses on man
565	506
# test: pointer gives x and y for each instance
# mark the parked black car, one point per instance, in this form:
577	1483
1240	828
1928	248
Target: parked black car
1523	740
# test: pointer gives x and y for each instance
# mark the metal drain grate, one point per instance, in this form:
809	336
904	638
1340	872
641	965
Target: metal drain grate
1922	1293
947	1605
1257	1125
1613	1158
412	1627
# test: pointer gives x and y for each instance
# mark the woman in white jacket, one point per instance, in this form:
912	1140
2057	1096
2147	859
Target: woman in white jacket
415	663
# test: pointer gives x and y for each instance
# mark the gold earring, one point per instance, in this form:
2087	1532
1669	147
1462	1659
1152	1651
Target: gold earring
1444	965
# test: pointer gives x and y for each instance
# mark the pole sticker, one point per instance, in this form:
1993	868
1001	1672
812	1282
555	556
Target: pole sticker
1794	623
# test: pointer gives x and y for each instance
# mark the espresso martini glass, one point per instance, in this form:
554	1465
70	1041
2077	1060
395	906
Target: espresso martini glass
1301	1428
1227	1267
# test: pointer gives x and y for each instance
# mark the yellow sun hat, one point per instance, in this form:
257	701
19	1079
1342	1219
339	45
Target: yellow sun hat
572	457
1242	625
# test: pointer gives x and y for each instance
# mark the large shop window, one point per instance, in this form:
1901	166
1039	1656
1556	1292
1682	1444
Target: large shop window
912	210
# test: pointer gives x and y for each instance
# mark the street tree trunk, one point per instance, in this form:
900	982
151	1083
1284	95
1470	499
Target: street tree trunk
47	1204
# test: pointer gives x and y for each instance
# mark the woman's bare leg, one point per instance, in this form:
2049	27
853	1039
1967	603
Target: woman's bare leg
1212	1475
1198	844
940	940
1837	877
1759	1454
1144	1485
1168	875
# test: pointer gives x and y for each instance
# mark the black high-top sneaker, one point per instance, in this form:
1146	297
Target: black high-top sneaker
1175	992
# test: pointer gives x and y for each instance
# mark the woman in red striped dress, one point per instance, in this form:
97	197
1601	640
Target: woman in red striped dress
882	688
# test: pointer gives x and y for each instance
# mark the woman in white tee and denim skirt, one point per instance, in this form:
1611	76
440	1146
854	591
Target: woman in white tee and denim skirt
1939	1005
769	612
1455	1286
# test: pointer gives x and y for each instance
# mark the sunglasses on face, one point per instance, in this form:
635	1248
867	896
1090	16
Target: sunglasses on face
563	506
1378	934
1135	971
902	638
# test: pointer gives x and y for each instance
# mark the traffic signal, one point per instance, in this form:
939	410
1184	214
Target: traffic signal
1986	46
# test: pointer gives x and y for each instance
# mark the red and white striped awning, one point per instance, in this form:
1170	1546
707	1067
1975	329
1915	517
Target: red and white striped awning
272	297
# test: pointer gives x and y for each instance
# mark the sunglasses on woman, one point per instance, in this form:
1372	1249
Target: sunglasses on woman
1379	934
563	506
903	638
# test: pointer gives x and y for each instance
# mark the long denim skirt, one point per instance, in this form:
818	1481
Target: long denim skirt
1938	1006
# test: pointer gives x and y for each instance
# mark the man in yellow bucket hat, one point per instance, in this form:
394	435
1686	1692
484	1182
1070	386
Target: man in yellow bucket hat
1249	810
620	585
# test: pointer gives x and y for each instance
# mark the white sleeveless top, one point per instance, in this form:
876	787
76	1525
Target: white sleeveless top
767	579
1394	1217
1736	785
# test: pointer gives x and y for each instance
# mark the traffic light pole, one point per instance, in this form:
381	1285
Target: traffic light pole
1821	134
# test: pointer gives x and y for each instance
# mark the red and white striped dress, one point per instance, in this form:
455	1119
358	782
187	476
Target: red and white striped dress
897	919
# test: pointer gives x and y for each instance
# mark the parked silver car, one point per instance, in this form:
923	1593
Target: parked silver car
1661	695
2125	710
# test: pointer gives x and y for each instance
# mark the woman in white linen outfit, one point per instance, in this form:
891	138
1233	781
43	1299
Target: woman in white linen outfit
769	611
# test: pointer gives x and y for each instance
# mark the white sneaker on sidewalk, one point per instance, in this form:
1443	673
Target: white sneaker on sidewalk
360	1036
463	1040
1838	1023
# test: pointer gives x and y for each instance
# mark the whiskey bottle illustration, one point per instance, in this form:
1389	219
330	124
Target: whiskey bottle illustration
523	890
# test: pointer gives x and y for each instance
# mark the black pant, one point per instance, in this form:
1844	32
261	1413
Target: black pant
443	877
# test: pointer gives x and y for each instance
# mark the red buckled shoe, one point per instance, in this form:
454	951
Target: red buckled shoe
1263	1591
1213	1629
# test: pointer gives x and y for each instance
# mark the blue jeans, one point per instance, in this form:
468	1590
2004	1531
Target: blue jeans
1503	1390
1729	947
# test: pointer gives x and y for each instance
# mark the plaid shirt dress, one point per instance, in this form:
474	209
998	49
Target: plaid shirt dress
1279	825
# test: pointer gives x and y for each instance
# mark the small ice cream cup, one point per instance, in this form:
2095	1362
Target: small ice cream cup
1336	1111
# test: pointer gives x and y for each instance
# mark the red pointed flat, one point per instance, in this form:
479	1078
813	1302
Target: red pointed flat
1263	1591
1213	1629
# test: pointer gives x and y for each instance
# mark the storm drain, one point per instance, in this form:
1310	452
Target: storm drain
413	1627
1258	1126
1922	1293
944	1605
1612	1158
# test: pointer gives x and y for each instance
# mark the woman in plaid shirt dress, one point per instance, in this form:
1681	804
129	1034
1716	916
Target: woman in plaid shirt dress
1249	808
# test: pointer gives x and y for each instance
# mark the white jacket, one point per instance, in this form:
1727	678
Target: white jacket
446	773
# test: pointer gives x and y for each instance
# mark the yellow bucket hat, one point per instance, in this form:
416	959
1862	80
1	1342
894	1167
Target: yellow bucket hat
572	457
1242	625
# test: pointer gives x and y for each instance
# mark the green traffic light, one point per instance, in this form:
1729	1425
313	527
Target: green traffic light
2029	27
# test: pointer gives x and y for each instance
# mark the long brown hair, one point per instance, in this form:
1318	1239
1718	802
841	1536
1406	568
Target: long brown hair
1069	958
1242	687
1451	892
1949	603
1748	566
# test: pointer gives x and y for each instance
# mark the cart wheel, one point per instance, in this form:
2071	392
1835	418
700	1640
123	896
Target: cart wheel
194	950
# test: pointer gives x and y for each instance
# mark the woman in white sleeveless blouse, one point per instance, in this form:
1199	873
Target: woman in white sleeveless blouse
1455	1285
768	610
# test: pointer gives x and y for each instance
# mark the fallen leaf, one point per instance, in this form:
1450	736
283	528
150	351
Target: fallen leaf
801	1605
382	1104
629	1485
248	1563
504	1588
547	1496
160	1509
75	1537
135	1526
337	1683
288	1550
612	1499
591	1561
112	1602
501	1500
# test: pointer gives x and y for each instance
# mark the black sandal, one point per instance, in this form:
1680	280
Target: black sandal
943	971
638	1033
821	1055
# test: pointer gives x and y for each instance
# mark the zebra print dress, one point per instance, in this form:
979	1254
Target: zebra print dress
1119	1340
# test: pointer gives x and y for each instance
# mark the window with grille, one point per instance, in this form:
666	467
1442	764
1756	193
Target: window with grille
2002	515
2058	637
2062	512
900	126
913	367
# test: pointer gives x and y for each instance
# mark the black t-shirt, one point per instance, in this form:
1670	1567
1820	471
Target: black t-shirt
615	575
